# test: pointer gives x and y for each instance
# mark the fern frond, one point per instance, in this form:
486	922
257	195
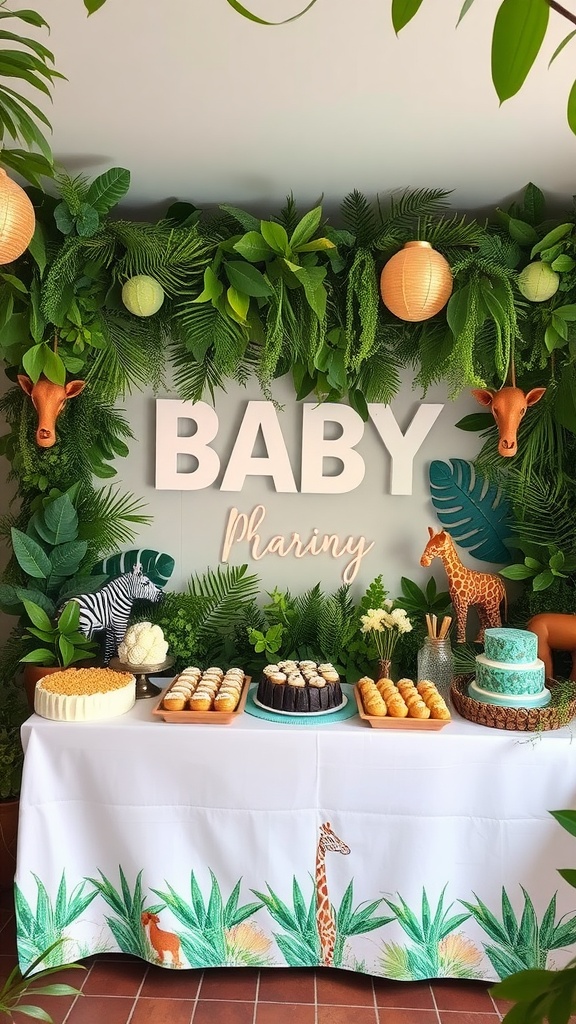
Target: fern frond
227	592
72	190
108	517
304	627
453	233
359	216
192	379
66	267
406	209
379	377
229	343
175	257
288	215
558	526
133	357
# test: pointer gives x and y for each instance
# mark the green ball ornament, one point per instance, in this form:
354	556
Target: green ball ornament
142	295
538	282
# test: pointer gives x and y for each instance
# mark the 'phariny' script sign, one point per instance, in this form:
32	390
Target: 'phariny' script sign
261	420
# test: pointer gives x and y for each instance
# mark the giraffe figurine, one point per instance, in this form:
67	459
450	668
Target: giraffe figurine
325	920
468	588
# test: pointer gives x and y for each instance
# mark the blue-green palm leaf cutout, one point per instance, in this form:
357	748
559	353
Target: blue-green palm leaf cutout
473	511
157	565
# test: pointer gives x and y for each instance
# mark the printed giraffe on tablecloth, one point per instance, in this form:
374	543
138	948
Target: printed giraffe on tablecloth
325	921
467	587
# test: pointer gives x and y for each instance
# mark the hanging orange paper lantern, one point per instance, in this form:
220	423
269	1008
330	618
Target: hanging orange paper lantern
416	283
17	219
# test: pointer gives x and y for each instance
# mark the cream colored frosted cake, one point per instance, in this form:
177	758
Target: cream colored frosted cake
84	694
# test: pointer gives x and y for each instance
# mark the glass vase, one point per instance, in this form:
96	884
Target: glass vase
435	663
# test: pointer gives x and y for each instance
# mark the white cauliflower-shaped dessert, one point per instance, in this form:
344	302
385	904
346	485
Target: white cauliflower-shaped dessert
143	644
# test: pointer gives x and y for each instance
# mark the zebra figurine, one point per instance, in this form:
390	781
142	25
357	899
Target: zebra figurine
109	608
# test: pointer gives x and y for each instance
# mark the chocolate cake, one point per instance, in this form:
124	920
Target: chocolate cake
300	687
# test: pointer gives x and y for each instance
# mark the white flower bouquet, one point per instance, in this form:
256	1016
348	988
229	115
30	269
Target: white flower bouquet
385	626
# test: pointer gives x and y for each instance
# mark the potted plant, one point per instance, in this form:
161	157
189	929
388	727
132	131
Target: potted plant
18	985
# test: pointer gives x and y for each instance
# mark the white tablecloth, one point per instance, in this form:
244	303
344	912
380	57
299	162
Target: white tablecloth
215	831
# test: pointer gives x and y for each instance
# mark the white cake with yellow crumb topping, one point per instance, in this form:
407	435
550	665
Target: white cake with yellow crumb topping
84	694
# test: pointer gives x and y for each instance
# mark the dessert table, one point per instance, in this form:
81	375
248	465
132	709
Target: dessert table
206	845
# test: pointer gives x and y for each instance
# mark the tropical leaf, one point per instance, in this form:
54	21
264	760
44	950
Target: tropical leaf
227	592
108	189
156	565
110	517
473	510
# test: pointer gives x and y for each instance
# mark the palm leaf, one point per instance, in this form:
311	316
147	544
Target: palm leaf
474	512
379	377
175	257
410	206
228	593
133	357
359	216
193	378
451	233
156	565
109	517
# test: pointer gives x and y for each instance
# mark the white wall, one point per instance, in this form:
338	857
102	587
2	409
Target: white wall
203	105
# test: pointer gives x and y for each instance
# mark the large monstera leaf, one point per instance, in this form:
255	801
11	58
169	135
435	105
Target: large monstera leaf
157	566
473	511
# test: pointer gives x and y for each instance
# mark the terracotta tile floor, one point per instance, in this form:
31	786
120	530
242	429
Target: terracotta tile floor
123	990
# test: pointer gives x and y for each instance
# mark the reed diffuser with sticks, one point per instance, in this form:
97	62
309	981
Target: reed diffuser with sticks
435	655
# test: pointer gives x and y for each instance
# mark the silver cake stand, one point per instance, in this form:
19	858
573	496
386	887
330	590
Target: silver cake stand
144	688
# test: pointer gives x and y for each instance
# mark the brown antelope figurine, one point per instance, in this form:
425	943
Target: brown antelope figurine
556	632
467	587
49	399
508	407
161	941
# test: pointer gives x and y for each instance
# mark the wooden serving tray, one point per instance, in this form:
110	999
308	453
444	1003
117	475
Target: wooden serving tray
409	724
203	717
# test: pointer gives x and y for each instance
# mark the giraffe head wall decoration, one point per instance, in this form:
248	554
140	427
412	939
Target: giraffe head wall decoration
49	399
508	406
467	587
325	920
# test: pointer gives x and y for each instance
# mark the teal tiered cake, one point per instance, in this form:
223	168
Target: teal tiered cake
509	673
